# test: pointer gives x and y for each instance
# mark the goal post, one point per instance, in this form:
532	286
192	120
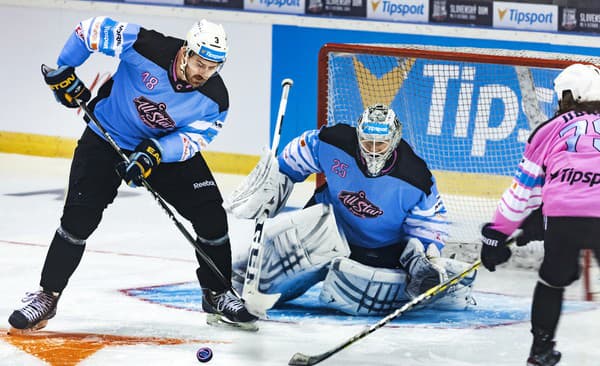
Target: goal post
466	111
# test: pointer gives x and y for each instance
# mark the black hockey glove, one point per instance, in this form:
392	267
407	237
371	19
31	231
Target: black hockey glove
533	228
147	155
66	85
493	249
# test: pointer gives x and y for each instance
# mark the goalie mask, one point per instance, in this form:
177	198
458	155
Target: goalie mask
379	132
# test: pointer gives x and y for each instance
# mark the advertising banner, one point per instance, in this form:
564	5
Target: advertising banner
537	17
476	12
485	123
579	19
228	4
276	6
398	10
353	8
158	2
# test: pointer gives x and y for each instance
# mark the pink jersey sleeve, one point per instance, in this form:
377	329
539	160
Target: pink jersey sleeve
560	167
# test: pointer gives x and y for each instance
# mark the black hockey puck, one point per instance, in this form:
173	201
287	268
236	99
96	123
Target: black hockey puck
204	354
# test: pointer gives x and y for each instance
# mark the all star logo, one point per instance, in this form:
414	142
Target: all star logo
154	115
359	205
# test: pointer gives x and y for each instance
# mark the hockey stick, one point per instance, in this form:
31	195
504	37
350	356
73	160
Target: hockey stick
300	359
257	302
207	260
530	103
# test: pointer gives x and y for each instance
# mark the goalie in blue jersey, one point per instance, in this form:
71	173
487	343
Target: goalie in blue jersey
163	105
373	232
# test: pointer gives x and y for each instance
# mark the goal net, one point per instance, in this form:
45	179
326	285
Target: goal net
468	112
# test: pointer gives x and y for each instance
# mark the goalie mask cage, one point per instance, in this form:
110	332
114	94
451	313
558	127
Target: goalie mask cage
467	111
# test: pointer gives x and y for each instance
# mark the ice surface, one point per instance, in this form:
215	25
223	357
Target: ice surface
137	246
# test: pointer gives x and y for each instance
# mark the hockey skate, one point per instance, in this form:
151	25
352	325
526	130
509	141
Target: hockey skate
227	309
542	351
35	315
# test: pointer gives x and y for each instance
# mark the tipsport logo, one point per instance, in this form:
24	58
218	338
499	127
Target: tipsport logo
572	176
525	16
519	17
280	3
281	6
406	10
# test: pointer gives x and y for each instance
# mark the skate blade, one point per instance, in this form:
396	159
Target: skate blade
26	331
221	321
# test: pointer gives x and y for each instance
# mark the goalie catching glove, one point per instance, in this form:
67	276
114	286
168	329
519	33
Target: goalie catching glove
147	155
264	189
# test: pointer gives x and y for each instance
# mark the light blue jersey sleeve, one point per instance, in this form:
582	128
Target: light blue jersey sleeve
299	158
427	220
98	34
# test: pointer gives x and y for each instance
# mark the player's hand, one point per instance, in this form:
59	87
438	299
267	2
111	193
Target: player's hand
65	85
147	155
533	228
493	249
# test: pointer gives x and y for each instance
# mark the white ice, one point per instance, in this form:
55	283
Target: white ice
137	245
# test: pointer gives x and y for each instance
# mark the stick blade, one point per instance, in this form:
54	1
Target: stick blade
258	303
300	359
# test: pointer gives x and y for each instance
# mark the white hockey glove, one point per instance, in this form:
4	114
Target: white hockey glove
265	188
423	273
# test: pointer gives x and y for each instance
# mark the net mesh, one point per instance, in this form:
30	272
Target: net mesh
467	112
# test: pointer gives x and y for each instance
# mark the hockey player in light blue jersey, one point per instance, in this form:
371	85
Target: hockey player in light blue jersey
374	231
163	105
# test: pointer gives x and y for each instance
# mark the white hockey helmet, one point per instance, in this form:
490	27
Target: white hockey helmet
582	80
208	40
378	132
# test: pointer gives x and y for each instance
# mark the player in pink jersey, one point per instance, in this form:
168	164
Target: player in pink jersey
559	178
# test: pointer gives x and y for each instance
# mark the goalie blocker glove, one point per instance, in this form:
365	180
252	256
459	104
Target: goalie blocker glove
493	250
147	155
66	86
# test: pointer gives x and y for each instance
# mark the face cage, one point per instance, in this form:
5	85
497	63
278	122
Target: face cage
375	161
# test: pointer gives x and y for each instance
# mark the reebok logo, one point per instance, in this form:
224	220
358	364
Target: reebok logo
203	184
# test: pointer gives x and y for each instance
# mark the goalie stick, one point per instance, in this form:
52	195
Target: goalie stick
92	119
258	303
300	359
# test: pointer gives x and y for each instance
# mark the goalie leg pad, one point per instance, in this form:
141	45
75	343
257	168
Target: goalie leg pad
298	246
357	289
